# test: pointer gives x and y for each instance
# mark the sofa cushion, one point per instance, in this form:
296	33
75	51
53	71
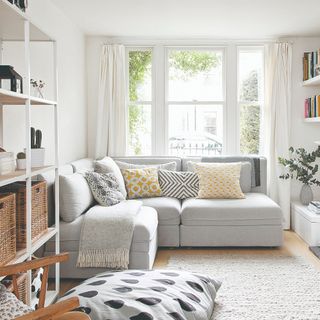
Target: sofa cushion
172	166
255	209
75	196
108	165
168	209
145	228
81	165
245	173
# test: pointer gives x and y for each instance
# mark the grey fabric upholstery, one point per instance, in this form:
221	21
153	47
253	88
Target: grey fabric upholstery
142	252
150	160
256	209
168	209
83	164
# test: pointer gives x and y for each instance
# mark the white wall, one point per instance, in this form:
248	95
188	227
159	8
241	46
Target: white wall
72	85
303	134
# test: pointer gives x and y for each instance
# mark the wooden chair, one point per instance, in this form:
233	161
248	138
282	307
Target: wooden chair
59	311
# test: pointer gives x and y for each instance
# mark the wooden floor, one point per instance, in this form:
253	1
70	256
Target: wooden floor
293	245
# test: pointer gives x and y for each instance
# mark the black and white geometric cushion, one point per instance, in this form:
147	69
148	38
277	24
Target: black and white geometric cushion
180	185
147	295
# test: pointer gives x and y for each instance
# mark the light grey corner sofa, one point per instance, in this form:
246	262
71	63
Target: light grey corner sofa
169	222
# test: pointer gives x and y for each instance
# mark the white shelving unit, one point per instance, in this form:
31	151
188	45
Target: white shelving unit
15	25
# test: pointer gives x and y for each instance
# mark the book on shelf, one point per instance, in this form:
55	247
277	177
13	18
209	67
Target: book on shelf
312	107
311	62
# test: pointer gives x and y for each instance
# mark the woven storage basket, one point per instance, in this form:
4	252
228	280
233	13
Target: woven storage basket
7	228
39	217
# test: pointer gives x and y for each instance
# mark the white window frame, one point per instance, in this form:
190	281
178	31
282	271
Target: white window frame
202	102
259	102
160	103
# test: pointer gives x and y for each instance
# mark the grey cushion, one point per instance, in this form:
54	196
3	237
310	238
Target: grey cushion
81	165
245	175
108	165
167	166
150	160
168	209
75	196
145	228
105	188
255	209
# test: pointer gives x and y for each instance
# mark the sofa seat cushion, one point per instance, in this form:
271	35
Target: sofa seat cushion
255	209
144	231
168	209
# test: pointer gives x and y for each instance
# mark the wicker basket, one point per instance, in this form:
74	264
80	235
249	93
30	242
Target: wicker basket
39	217
7	228
22	280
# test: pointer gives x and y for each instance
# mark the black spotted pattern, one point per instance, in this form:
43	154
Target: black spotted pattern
97	283
88	294
191	296
185	305
131	281
115	304
123	289
149	301
158	289
176	316
166	281
195	286
142	316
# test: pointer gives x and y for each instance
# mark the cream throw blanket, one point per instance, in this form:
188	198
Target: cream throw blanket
106	235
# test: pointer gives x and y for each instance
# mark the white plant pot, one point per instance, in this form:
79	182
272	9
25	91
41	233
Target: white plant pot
21	164
37	157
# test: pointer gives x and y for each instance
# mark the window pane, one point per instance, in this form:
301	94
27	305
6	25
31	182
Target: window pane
250	75
195	75
140	79
250	118
139	129
195	129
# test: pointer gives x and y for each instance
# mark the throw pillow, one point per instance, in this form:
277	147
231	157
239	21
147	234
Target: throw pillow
10	306
245	174
105	188
142	183
172	166
75	196
179	185
108	165
219	180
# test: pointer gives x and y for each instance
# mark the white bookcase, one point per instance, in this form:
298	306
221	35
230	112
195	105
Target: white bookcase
15	25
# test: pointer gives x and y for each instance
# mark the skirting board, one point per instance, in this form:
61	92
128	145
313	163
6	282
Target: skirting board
315	251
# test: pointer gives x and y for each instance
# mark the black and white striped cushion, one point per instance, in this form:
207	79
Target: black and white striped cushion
179	185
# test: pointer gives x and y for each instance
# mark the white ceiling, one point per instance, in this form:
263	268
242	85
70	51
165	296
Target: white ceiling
226	19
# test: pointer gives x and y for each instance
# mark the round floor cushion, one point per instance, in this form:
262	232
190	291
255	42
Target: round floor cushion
147	295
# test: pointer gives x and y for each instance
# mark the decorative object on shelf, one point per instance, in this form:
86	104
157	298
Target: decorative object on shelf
8	73
21	4
37	88
39	217
7	228
37	153
301	167
21	161
7	163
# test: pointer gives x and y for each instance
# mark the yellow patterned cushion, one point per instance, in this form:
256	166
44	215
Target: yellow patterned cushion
219	180
142	183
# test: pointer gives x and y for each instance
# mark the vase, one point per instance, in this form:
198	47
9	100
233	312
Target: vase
306	194
37	92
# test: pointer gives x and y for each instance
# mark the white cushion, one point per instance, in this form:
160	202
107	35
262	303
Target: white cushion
75	196
108	165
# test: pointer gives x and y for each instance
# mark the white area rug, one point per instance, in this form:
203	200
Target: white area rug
259	287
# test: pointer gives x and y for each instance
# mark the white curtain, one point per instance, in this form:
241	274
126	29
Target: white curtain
111	136
277	121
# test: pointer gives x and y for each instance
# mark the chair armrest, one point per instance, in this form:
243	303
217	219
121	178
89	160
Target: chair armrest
53	311
32	264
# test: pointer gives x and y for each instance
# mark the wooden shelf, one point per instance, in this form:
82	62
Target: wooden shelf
13	98
315	119
312	82
11	24
20	175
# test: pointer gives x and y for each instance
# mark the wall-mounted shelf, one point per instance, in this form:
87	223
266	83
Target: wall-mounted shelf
312	82
315	119
13	98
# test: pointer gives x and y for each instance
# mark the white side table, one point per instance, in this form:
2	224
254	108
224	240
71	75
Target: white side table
306	223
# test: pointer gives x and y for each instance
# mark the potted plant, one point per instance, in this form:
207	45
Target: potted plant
21	161
302	167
